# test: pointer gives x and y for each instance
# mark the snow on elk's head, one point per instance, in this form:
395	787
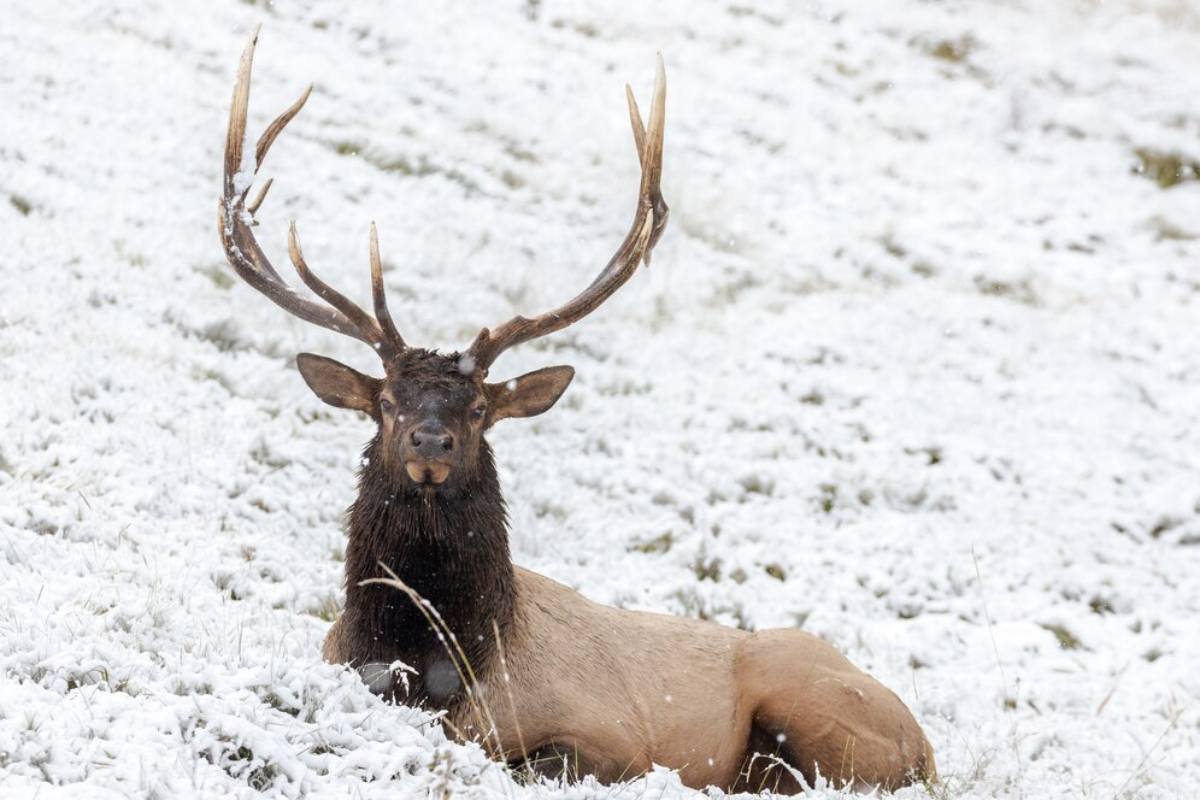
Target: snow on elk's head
431	409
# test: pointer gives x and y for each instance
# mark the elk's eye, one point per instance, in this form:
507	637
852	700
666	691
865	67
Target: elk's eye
385	405
478	411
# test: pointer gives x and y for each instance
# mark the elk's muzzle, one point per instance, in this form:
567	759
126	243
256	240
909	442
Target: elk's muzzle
430	472
428	450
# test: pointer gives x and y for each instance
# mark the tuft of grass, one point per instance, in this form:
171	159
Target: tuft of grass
692	605
262	454
218	274
1165	169
543	509
932	453
223	334
828	499
749	11
1101	605
206	374
327	608
130	257
659	544
21	204
259	776
1019	291
1167	231
1162	526
813	397
709	570
279	704
953	50
1066	639
756	484
584	29
891	246
511	179
400	165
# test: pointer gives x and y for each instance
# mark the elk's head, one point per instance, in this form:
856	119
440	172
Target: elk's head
432	409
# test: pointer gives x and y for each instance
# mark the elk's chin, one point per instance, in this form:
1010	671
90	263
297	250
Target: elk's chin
428	473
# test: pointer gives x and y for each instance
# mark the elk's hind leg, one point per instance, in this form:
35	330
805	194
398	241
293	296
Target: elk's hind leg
768	766
820	713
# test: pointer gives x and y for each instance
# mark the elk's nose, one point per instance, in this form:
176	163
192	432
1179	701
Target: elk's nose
431	441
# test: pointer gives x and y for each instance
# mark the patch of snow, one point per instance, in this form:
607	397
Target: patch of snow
917	369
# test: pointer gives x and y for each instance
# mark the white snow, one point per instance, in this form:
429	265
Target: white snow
916	367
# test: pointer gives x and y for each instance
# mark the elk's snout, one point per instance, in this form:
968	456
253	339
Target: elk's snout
428	449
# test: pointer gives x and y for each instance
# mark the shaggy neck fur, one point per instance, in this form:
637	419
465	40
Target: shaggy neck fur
452	549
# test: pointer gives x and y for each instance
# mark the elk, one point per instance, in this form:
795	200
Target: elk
542	676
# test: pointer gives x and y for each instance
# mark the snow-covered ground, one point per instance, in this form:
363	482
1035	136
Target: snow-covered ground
917	368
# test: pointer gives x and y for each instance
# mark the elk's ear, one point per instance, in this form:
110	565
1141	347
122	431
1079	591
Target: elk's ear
339	385
528	395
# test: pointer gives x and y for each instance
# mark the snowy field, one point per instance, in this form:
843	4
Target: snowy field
916	368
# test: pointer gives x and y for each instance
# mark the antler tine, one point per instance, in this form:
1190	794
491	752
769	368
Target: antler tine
652	154
236	134
635	121
649	221
252	209
380	296
276	127
362	322
235	219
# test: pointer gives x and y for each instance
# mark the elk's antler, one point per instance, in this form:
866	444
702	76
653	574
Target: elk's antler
648	223
236	220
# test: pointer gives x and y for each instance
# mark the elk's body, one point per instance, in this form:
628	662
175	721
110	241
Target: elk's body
530	668
592	689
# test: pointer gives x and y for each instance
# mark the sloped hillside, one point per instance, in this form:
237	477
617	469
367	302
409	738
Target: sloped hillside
916	368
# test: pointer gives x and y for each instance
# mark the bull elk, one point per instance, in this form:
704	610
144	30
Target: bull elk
543	677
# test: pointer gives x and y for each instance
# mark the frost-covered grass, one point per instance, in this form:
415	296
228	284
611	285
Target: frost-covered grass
917	367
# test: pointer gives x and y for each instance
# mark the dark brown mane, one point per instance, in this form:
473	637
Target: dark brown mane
452	550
